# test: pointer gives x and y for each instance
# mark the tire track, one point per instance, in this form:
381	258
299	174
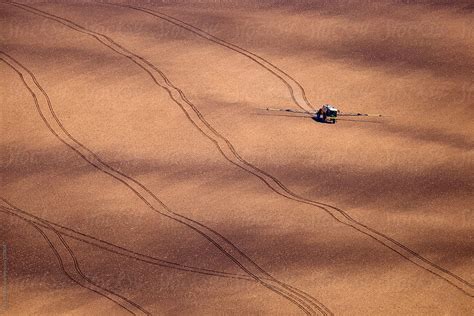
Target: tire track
90	285
112	248
228	151
302	300
297	92
105	245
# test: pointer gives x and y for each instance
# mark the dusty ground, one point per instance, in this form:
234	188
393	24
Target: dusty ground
405	180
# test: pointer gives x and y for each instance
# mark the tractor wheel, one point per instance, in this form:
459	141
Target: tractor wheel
318	115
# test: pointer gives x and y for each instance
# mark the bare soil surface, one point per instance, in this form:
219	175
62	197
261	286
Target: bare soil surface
142	175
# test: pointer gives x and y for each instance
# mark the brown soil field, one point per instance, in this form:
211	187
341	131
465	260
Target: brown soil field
141	173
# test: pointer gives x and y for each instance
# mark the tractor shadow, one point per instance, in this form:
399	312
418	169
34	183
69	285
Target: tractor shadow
320	121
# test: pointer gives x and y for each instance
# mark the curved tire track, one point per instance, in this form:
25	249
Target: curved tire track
227	150
73	270
297	92
112	248
302	300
